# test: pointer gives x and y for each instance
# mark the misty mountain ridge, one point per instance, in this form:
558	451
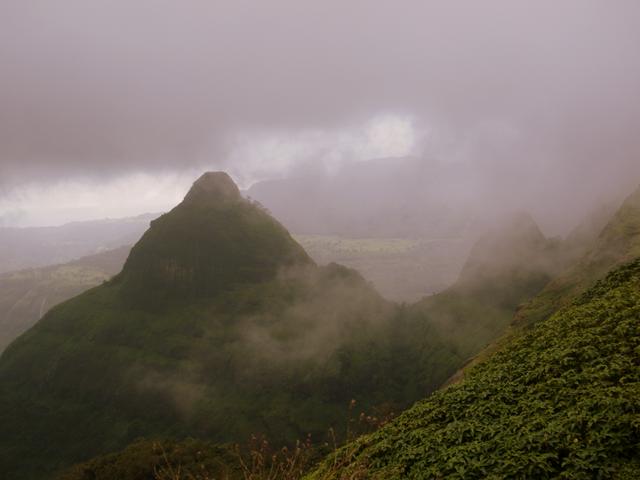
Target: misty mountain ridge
507	266
214	240
615	244
509	245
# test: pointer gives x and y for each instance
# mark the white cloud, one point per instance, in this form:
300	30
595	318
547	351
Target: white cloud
253	156
67	201
267	154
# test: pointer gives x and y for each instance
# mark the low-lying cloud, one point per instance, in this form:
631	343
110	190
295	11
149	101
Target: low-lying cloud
547	92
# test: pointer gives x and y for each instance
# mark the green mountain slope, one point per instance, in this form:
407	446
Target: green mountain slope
617	243
508	266
26	295
561	401
213	241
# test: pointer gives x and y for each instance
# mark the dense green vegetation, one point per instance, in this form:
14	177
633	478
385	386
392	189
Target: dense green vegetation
561	401
213	241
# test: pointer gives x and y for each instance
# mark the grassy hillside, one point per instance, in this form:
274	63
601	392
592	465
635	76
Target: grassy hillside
562	401
26	295
617	243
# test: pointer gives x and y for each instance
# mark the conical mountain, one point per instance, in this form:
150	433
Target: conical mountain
211	242
168	339
514	244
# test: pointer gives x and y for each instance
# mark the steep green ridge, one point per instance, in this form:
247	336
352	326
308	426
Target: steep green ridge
26	295
606	239
213	241
561	401
617	243
508	265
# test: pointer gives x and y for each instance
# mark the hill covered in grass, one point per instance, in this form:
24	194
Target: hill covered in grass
561	401
618	242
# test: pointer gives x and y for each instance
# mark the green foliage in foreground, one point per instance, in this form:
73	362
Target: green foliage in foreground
561	401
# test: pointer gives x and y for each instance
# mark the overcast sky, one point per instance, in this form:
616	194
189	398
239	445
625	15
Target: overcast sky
112	107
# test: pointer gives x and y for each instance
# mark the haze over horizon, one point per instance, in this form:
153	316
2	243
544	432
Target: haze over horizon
112	109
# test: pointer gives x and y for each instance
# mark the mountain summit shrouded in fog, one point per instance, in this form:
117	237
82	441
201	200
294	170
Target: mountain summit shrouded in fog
213	241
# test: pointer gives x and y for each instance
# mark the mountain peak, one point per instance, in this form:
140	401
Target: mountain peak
213	241
213	187
514	243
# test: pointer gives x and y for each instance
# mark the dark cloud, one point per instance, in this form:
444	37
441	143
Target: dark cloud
548	89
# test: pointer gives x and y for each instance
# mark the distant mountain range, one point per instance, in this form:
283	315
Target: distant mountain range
26	295
32	247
